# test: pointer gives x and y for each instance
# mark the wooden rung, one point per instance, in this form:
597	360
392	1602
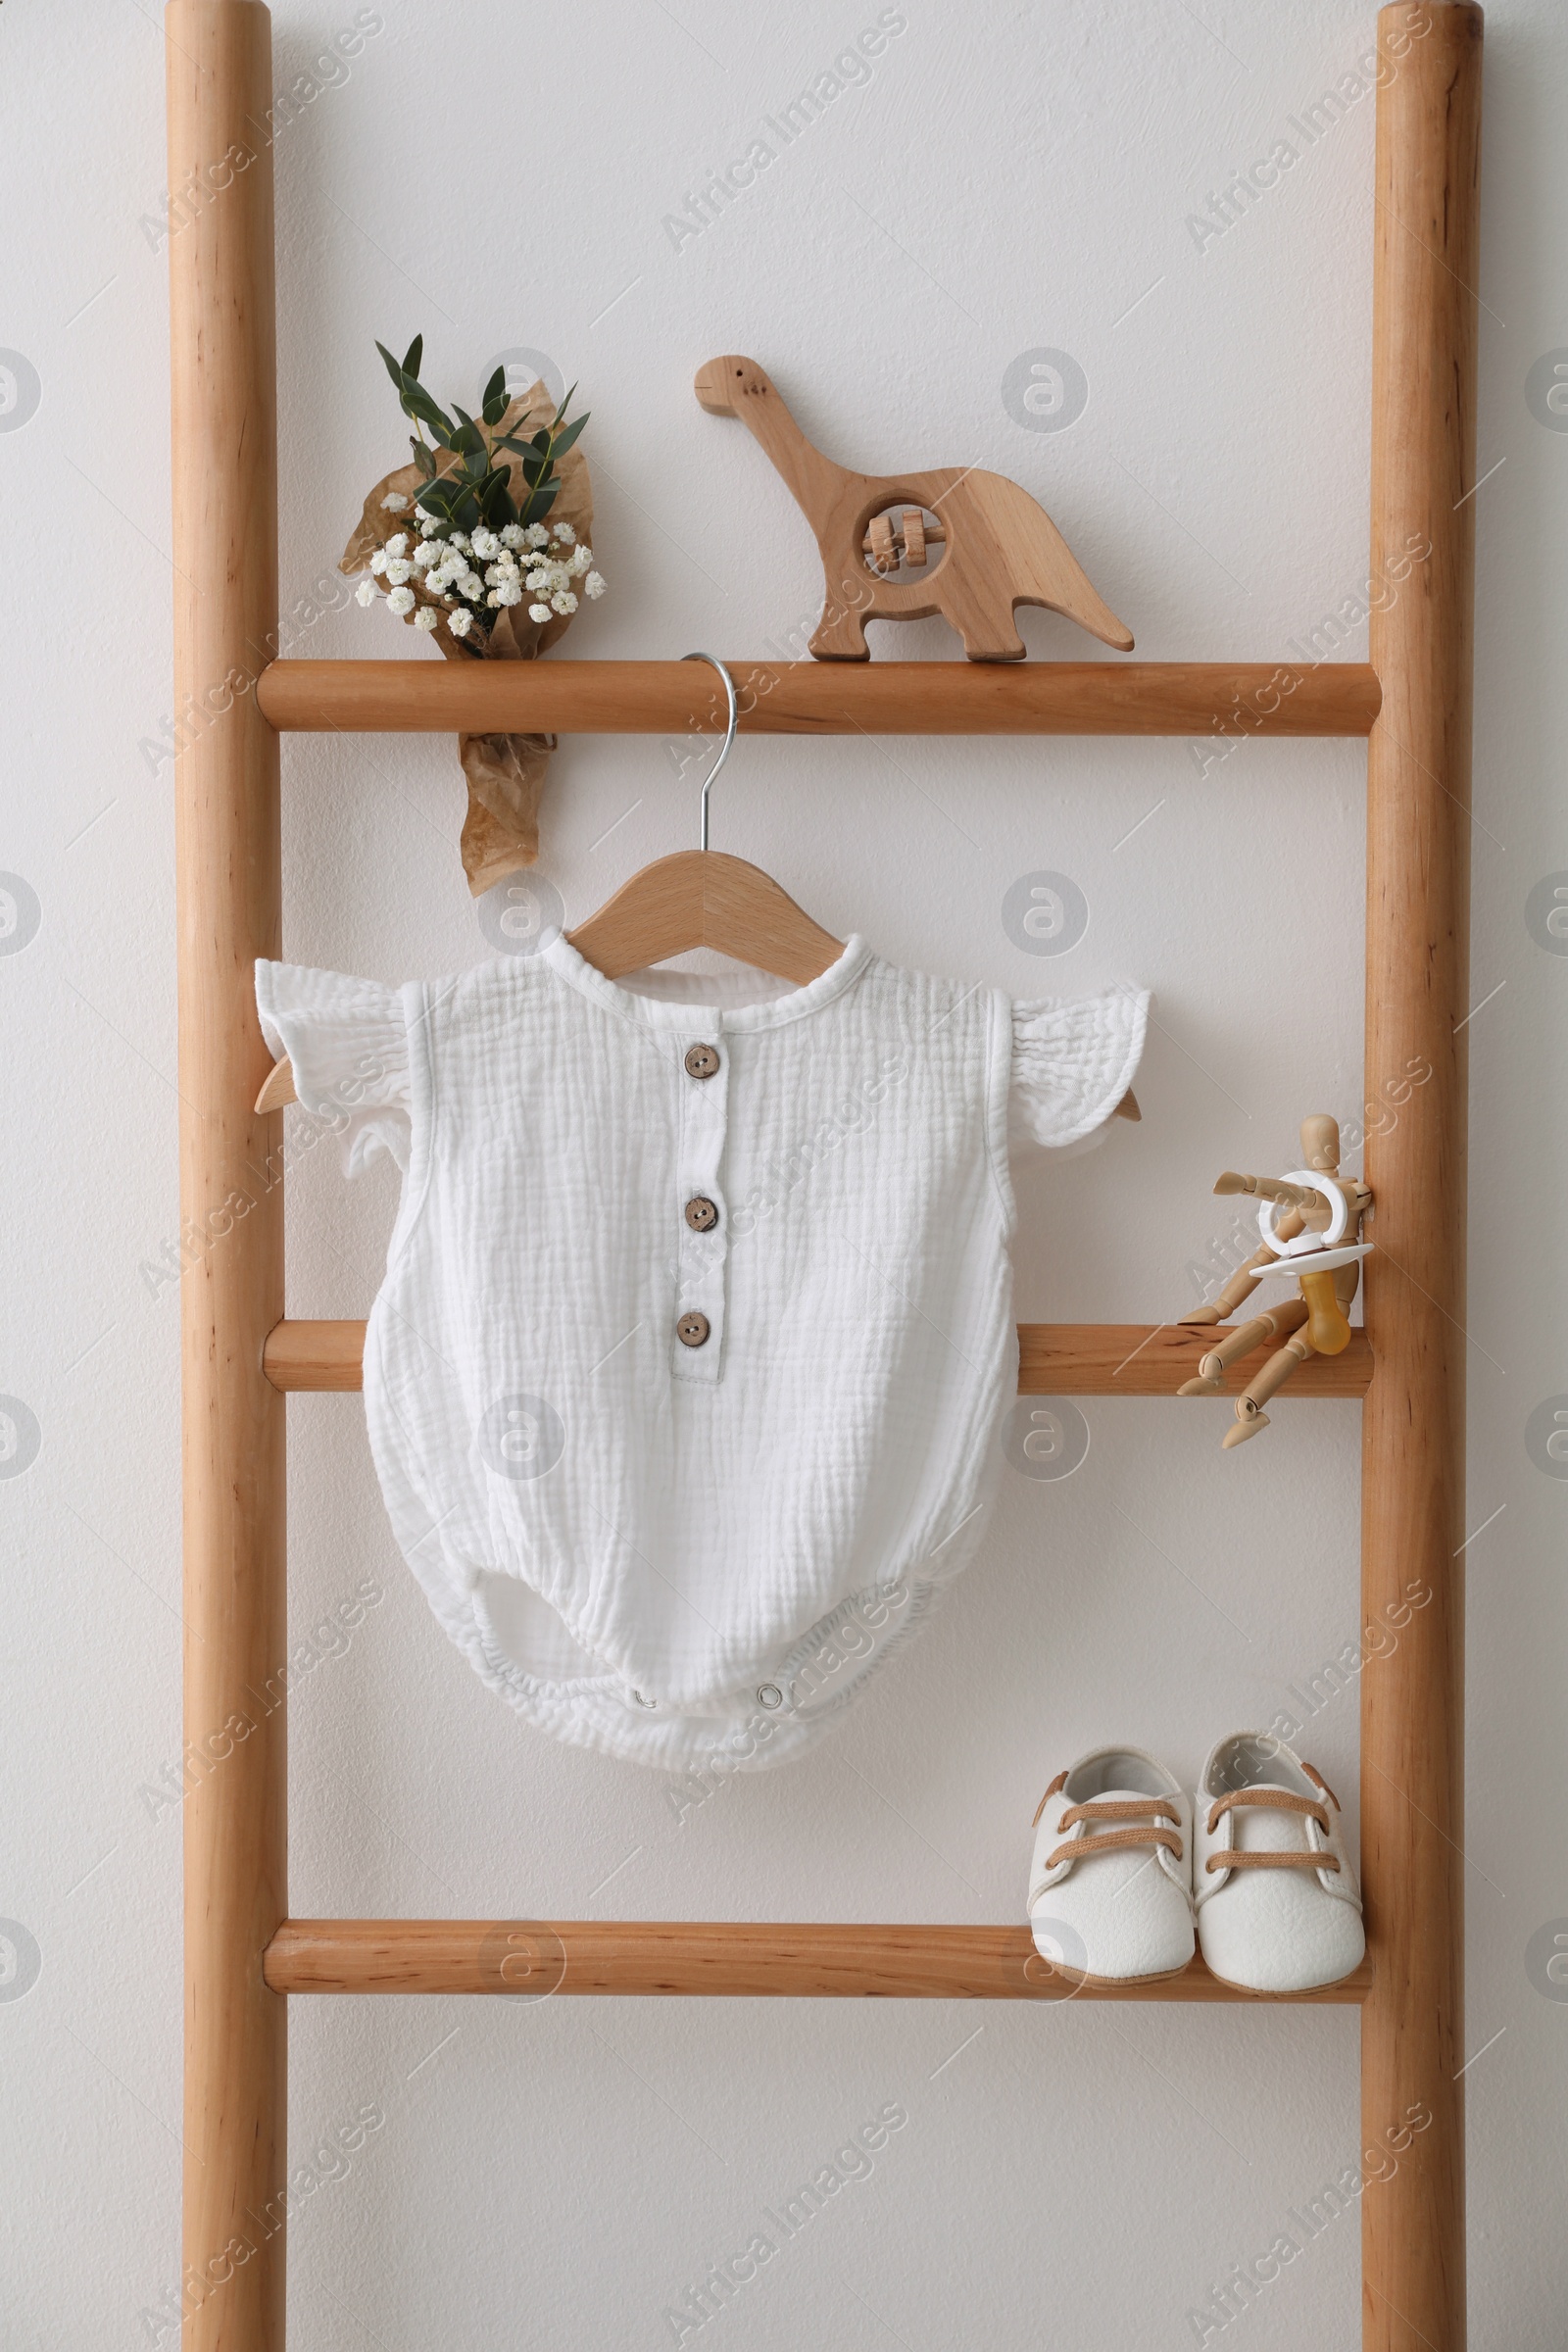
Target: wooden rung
742	1958
1229	701
1153	1359
1055	1360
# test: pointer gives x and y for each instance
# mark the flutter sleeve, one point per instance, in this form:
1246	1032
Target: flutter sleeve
348	1042
1073	1058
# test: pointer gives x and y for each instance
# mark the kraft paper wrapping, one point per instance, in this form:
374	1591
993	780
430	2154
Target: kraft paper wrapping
506	772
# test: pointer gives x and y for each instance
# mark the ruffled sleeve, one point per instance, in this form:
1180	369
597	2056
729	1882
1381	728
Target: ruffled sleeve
348	1042
1073	1059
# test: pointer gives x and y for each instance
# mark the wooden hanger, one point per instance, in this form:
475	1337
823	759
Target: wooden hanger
695	899
705	899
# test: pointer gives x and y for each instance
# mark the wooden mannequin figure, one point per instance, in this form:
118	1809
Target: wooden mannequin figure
1312	1322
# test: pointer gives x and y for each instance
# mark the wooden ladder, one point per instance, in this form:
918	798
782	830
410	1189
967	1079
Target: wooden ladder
243	1953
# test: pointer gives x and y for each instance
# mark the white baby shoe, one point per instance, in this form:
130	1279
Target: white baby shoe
1110	1895
1278	1906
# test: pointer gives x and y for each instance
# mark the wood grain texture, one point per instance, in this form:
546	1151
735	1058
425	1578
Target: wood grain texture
1001	548
1426	251
279	1090
705	899
219	85
1227	700
1154	1359
1056	1359
739	1959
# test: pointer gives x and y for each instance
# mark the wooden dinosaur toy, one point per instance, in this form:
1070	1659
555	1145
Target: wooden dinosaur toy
999	549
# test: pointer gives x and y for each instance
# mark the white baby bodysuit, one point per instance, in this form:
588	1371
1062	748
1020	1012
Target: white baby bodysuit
684	1380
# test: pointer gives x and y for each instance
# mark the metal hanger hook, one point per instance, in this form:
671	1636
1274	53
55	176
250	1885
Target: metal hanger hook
729	731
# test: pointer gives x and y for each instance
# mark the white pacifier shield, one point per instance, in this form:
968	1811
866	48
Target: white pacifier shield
1305	1244
1317	1261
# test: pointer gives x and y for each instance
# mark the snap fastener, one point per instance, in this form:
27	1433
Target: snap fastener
701	1214
692	1330
701	1061
770	1697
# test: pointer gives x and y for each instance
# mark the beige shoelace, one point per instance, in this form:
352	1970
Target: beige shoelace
1106	1841
1274	1800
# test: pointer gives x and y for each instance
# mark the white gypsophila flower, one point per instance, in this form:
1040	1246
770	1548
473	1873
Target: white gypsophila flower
512	534
395	503
595	585
427	618
537	535
398	570
398	544
536	579
367	593
581	559
378	559
538	612
425	553
429	526
401	601
459	540
494	572
563	600
461	621
564	533
494	598
508	592
485	543
472	586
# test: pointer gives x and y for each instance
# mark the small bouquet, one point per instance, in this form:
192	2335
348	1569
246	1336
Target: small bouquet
458	544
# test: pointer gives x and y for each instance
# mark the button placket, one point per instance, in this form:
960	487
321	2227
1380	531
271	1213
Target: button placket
697	1212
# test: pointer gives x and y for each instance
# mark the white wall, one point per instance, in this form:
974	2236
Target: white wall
1013	178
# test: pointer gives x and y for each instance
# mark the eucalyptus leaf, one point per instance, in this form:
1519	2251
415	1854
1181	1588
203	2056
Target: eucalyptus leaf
413	355
565	441
416	402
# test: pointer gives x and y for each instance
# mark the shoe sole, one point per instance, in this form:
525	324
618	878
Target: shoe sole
1091	1984
1268	1993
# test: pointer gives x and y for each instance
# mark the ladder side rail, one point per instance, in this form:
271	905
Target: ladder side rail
1425	256
224	484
